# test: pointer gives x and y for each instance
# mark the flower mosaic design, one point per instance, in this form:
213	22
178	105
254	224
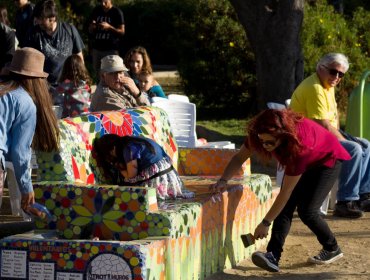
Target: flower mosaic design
99	223
119	123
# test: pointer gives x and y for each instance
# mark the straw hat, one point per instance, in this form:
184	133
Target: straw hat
112	63
28	62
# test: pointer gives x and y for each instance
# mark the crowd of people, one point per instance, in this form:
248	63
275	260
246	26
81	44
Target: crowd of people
46	54
119	84
42	64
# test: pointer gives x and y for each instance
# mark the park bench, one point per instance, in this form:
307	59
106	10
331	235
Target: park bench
140	237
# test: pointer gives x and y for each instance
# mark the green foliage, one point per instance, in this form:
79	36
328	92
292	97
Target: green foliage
215	60
207	43
325	31
151	24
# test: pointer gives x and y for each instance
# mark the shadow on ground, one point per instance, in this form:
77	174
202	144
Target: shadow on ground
276	276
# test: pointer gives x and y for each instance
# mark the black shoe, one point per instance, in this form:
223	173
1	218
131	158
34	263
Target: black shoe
326	257
364	202
348	209
364	196
266	261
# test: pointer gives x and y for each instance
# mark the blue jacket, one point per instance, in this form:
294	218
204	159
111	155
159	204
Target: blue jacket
17	128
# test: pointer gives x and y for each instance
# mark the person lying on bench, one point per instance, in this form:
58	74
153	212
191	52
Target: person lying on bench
138	161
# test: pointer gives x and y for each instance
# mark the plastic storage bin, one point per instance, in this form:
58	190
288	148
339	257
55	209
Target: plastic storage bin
358	112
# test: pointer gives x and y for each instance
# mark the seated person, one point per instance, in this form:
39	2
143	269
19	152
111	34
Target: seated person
73	90
116	91
315	99
138	161
148	84
137	61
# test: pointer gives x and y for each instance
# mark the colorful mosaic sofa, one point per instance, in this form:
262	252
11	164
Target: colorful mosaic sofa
140	237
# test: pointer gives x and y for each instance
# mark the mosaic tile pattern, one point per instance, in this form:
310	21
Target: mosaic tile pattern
77	259
214	242
259	184
236	212
112	212
129	213
208	162
107	212
204	235
74	161
194	239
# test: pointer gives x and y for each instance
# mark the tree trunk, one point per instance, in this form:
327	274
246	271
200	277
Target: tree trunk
273	29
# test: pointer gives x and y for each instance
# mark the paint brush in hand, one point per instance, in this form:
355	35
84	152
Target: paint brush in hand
248	239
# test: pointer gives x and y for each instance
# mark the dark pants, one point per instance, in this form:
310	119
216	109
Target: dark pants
307	197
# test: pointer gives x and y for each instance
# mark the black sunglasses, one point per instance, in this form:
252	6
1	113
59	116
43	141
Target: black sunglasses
334	72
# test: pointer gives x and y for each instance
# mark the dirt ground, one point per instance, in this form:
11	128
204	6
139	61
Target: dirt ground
353	237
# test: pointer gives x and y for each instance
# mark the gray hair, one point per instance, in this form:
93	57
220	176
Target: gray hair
333	58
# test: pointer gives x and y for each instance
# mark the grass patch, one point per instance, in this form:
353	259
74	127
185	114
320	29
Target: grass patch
226	127
217	130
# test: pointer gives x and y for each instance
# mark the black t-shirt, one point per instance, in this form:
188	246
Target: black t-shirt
7	44
64	42
23	21
106	40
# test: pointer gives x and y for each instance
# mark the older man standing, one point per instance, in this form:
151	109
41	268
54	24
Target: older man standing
315	99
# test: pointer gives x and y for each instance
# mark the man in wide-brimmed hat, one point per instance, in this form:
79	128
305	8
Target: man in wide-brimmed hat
26	117
116	90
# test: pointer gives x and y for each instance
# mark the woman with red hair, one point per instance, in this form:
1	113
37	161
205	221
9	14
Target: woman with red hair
311	156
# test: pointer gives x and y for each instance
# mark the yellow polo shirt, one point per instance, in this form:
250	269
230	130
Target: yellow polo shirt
314	101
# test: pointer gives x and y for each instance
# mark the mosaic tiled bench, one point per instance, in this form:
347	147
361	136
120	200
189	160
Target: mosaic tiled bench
140	237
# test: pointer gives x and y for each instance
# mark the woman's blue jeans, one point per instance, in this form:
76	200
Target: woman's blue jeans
354	178
307	197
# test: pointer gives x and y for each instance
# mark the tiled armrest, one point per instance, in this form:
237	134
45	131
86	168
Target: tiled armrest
207	162
258	184
109	212
112	212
